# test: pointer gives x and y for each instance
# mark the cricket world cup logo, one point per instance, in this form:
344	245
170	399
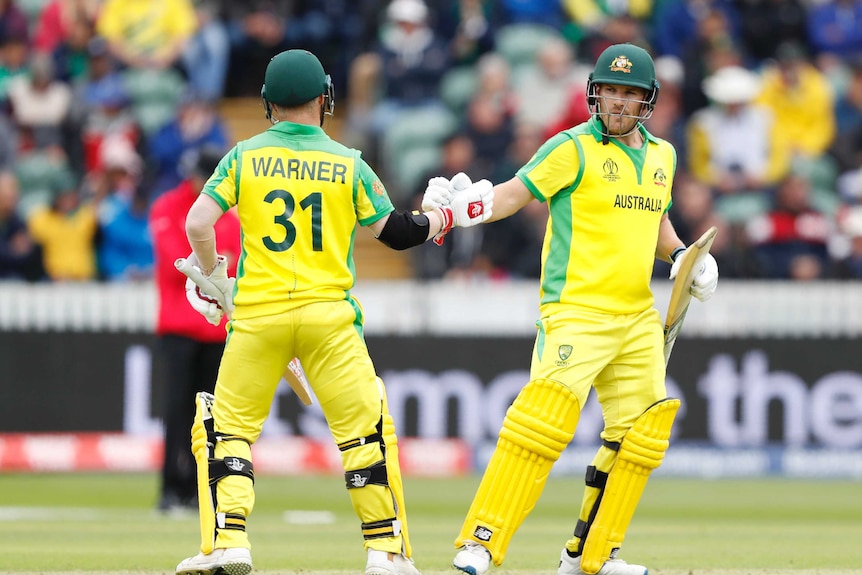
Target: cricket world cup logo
475	209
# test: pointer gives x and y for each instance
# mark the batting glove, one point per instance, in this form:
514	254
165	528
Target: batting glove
216	286
706	280
202	303
437	194
468	208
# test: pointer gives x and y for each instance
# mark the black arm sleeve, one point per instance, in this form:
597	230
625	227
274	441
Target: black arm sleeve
405	230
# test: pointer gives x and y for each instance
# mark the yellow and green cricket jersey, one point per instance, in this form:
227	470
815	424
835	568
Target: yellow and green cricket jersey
605	203
299	195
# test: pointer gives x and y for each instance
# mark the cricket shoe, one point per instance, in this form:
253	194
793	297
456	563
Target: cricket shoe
473	559
384	563
572	566
230	561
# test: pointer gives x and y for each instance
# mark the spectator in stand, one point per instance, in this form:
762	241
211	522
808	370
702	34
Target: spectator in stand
147	33
40	104
790	242
407	67
734	145
550	80
14	54
547	12
100	109
260	28
66	231
667	121
196	124
802	101
207	54
847	145
677	23
835	29
713	47
469	27
20	258
13	21
56	22
766	24
190	347
124	248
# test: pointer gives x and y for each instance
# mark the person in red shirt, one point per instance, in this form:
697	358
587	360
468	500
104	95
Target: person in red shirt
191	348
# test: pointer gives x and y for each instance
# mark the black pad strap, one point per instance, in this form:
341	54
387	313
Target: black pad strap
374	475
231	521
581	528
220	468
612	445
595	478
378	529
359	441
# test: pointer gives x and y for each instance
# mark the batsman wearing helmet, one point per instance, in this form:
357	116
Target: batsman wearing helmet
607	183
299	196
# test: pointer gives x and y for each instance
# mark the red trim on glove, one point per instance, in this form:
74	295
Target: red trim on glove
448	220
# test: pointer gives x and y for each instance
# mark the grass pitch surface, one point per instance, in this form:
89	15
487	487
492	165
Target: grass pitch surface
106	523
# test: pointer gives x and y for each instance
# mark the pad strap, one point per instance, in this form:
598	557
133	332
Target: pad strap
220	468
378	529
230	521
373	475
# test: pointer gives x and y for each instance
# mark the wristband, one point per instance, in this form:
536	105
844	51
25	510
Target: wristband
675	253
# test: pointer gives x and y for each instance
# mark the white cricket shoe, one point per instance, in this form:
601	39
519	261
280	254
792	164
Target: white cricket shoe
384	563
572	566
473	559
230	561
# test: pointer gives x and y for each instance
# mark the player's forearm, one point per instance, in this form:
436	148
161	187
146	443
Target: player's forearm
200	231
668	240
509	197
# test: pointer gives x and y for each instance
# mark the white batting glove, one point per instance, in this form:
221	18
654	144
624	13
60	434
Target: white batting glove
440	190
437	194
202	303
706	280
216	286
469	207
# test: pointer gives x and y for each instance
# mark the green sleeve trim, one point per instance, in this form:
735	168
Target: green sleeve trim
218	199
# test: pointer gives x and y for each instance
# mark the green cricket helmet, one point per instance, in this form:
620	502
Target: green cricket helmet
293	78
626	65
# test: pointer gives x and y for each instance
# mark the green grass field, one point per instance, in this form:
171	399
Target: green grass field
106	523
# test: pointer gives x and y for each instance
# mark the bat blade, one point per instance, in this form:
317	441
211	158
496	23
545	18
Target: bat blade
680	295
294	375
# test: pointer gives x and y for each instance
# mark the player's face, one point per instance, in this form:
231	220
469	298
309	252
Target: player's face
620	106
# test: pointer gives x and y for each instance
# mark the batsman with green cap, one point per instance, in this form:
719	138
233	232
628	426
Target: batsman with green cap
300	196
607	184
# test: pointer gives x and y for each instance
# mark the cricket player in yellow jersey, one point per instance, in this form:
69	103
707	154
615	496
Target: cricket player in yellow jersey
607	183
299	197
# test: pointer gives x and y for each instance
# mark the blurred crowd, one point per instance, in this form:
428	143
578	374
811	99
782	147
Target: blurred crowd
103	104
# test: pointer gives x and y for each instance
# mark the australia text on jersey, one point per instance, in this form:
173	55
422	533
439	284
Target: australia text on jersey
632	202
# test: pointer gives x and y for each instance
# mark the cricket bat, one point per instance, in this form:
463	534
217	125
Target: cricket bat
680	294
294	375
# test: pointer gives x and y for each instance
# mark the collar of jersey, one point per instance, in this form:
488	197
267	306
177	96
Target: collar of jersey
293	129
597	134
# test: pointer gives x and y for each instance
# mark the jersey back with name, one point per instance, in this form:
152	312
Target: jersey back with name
299	197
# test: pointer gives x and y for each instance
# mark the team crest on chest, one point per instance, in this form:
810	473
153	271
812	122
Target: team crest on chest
621	64
659	179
